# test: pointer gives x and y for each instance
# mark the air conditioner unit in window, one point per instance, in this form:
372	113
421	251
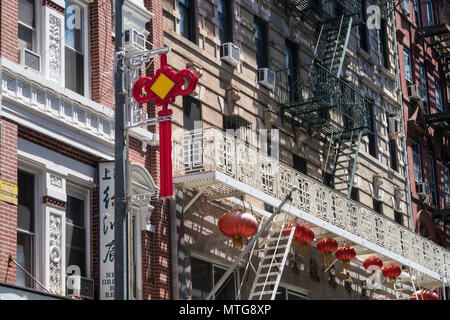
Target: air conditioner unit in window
422	190
414	93
266	77
230	53
30	59
134	41
395	129
80	287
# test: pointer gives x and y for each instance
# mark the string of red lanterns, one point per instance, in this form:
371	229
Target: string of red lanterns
302	235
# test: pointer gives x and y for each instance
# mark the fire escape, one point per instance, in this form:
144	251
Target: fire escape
323	101
438	38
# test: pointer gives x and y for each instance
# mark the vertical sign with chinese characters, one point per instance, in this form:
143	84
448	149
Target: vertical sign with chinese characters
106	223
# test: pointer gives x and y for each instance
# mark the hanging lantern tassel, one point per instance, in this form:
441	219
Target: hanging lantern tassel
303	246
345	254
165	154
327	257
327	246
237	242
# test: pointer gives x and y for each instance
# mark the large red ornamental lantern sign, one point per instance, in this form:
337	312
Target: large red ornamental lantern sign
162	89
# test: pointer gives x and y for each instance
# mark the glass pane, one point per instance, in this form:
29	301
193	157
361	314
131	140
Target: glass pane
76	257
26	12
75	211
74	27
24	256
74	71
228	290
25	37
201	278
224	21
184	21
25	209
75	236
294	296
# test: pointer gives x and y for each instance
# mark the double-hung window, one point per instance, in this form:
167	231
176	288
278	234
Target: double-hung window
430	17
25	228
205	275
432	180
446	187
408	69
261	43
76	231
224	13
423	87
417	13
27	25
187	17
437	94
292	70
406	5
417	162
75	50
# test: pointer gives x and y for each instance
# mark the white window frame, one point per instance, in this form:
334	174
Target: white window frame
407	6
430	18
214	263
136	213
38	171
75	190
37	28
86	47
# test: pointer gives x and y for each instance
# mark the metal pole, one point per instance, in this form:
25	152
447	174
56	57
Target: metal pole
250	245
120	256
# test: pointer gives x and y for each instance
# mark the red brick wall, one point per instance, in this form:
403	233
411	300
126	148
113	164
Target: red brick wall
8	30
102	52
8	212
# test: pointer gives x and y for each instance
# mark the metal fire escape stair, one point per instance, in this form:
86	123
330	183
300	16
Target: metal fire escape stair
271	265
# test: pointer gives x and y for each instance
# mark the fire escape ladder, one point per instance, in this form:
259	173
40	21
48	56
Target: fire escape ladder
271	265
336	46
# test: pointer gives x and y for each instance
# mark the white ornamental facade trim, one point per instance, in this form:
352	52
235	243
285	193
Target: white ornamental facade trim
54	48
55	253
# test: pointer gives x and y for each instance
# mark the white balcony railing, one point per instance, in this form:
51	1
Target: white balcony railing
212	150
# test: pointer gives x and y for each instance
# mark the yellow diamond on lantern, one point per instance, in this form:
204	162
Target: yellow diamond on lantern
162	86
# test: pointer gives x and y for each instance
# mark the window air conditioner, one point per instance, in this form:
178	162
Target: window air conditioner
266	77
79	287
414	93
230	53
30	59
134	41
395	131
422	190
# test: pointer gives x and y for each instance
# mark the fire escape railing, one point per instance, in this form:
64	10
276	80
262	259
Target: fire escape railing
212	150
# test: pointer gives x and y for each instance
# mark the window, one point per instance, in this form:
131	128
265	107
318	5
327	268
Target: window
406	5
25	228
261	43
76	233
364	39
437	93
373	136
377	206
384	43
434	201
74	48
430	17
354	195
446	187
187	18
417	162
393	151
398	217
299	163
417	13
27	25
423	87
292	69
204	275
192	113
286	294
224	13
407	62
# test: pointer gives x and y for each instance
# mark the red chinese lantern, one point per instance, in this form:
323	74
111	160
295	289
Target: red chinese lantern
238	225
345	254
392	271
373	264
302	235
424	295
327	246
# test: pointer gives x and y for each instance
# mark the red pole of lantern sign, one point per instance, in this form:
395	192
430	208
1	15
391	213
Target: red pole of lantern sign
162	89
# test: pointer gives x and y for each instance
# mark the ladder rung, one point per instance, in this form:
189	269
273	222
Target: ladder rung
260	293
283	246
268	283
272	256
281	238
270	274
